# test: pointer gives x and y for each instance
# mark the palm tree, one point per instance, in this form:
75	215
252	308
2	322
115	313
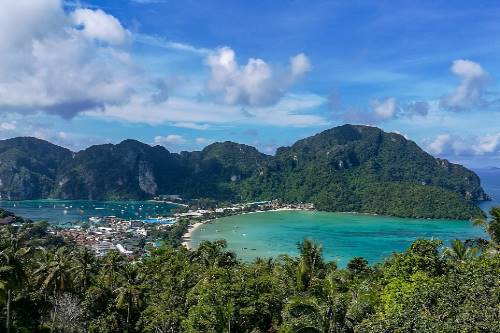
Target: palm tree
460	251
86	267
214	254
54	273
129	294
111	267
311	260
492	226
12	271
307	315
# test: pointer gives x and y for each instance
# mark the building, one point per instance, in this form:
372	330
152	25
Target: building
102	248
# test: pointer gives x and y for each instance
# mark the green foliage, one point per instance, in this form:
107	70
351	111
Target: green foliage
46	287
363	169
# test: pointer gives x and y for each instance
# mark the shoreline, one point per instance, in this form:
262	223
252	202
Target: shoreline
186	238
169	202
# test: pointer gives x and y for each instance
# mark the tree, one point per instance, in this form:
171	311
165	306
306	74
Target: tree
491	226
69	314
111	267
12	272
310	262
460	251
85	268
214	254
54	274
129	294
358	265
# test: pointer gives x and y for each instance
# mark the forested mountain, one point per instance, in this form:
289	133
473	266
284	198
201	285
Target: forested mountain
347	168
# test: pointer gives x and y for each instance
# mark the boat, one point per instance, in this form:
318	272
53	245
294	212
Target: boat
95	219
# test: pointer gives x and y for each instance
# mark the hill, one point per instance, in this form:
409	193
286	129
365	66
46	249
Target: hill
347	168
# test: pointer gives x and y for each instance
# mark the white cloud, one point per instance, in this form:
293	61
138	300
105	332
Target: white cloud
385	109
254	84
49	63
469	92
489	144
169	139
441	144
8	126
453	145
97	25
203	141
191	125
292	110
160	42
299	65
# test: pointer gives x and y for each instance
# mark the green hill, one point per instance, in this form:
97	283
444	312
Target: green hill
347	168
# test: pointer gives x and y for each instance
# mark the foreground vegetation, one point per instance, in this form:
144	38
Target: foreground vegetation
46	284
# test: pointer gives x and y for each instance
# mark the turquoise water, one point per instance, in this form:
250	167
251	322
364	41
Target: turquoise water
343	236
66	212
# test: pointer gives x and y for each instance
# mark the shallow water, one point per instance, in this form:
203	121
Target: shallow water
65	212
343	236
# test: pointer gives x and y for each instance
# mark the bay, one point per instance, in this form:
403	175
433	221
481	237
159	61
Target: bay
68	212
343	236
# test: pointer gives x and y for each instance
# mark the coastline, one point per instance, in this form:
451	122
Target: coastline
169	202
186	238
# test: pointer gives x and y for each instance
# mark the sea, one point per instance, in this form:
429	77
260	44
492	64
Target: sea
74	212
270	234
342	236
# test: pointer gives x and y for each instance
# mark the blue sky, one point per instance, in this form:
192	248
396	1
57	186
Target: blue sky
187	73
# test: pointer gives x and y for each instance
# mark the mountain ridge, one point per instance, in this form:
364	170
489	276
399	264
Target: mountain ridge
345	168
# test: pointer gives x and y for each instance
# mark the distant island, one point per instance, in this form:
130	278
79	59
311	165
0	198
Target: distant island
349	168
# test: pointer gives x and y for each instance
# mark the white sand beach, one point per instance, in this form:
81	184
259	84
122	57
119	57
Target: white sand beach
186	239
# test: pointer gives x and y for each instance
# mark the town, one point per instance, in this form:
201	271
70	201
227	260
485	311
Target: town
133	238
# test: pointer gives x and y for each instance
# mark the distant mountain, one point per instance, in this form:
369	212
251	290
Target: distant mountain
29	167
347	168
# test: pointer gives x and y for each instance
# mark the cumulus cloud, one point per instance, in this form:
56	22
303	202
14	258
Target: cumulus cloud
173	139
97	25
254	84
453	145
62	63
469	93
385	109
8	126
